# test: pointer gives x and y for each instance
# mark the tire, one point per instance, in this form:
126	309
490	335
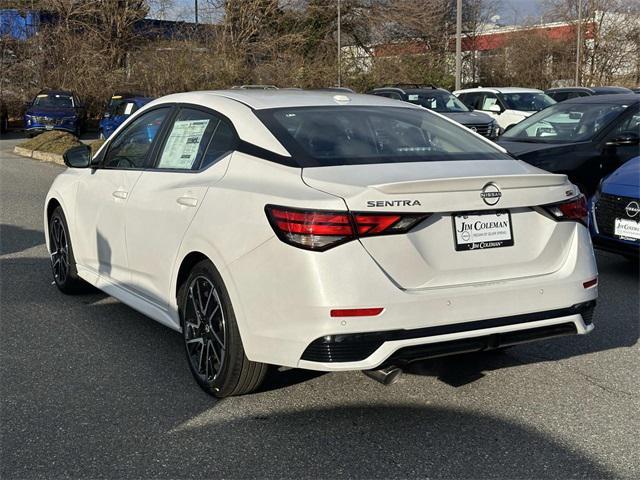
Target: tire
63	263
212	342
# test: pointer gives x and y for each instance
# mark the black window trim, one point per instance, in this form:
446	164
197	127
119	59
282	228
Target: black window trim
98	162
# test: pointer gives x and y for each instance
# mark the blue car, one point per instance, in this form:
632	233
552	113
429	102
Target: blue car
614	211
119	110
54	110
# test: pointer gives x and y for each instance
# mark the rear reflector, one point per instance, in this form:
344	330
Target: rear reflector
356	312
590	283
321	229
574	209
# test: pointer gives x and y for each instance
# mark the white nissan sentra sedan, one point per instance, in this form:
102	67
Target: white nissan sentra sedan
320	230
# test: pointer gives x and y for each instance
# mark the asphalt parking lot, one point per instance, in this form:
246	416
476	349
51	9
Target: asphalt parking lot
93	389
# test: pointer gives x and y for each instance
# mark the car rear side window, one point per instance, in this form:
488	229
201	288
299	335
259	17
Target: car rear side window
347	135
130	148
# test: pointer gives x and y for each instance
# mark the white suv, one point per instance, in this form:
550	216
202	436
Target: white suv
322	231
508	105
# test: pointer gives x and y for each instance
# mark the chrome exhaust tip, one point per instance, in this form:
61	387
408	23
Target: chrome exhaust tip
385	376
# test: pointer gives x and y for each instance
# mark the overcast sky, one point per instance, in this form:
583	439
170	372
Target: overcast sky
510	11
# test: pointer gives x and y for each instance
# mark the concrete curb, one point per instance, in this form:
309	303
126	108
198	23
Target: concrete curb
39	155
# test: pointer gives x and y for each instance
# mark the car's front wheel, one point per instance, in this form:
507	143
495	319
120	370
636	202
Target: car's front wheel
63	262
211	338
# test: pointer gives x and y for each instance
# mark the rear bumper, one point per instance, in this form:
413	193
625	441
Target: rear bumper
284	306
436	341
613	245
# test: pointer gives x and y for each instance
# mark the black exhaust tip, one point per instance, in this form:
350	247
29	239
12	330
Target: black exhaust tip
385	376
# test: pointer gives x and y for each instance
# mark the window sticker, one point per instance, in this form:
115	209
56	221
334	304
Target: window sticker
413	97
181	149
128	108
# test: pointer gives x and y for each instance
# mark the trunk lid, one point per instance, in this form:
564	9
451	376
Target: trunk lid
426	257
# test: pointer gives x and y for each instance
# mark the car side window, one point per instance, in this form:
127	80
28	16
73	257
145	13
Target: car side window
223	141
488	101
130	148
629	125
189	138
472	100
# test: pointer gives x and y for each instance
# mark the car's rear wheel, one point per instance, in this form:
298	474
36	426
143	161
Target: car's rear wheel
63	262
211	338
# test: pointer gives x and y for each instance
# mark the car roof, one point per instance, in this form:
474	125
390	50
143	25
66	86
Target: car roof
264	99
613	98
611	89
405	89
500	90
569	89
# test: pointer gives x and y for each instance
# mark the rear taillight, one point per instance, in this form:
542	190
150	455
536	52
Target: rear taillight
574	209
321	229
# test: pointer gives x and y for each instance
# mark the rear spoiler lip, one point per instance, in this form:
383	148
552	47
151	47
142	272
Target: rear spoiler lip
475	183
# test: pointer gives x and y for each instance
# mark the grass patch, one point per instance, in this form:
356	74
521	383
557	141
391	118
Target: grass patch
95	146
52	142
57	142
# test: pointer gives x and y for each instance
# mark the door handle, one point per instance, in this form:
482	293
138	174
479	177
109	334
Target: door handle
120	194
187	201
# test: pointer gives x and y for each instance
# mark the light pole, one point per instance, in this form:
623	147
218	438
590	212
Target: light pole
458	43
196	6
578	42
339	47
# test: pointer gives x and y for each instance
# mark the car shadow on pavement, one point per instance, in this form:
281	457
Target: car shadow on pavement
14	239
382	441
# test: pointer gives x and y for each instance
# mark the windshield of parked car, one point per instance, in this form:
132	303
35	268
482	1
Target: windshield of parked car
565	123
527	102
437	101
348	135
53	100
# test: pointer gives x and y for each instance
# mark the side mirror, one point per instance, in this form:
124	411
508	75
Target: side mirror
495	108
626	139
78	157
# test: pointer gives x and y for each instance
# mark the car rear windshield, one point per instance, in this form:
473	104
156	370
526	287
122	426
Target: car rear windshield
437	101
527	102
351	135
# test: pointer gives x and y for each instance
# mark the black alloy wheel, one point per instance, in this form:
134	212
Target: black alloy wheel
63	262
205	333
212	340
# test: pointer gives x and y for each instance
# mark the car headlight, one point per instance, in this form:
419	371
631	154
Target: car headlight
495	128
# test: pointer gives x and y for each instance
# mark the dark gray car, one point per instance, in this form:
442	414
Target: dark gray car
444	102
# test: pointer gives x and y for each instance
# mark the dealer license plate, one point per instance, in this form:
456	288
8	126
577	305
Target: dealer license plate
482	230
627	229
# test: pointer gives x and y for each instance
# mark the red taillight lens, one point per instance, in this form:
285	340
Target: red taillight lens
320	229
574	209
